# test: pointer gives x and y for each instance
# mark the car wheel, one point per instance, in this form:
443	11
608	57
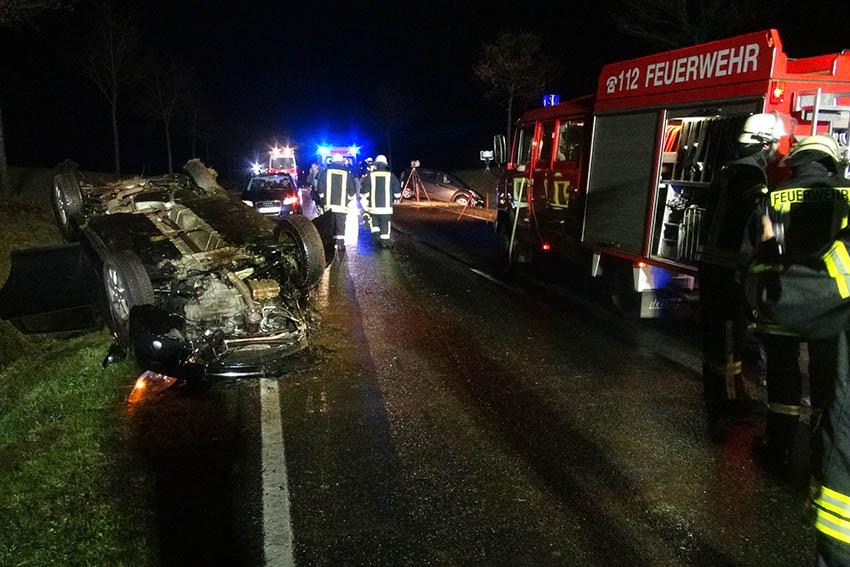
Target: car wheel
299	237
67	202
461	199
407	192
127	285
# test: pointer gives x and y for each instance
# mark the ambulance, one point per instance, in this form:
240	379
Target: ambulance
282	160
623	179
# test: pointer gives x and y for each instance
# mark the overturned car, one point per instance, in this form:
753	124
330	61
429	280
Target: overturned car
189	279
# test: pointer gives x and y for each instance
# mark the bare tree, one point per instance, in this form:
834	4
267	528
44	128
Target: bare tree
13	13
390	108
110	60
196	116
689	22
165	87
515	69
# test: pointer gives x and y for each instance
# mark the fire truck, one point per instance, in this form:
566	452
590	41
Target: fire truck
622	179
327	152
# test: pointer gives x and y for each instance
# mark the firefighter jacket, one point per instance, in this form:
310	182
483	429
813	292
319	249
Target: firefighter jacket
380	187
800	279
336	188
741	184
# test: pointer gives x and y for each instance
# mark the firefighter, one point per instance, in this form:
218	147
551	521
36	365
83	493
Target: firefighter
799	276
740	185
336	187
380	188
313	181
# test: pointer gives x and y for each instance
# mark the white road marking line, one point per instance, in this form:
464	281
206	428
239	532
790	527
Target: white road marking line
487	276
277	525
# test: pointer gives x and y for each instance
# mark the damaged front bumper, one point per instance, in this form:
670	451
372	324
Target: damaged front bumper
159	346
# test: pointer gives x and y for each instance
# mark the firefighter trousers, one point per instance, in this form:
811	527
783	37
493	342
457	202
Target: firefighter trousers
381	225
339	227
830	490
723	327
784	390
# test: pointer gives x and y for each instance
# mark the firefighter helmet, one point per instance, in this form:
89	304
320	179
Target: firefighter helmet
337	158
815	148
381	159
765	128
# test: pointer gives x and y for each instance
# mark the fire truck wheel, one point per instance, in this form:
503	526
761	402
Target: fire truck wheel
624	299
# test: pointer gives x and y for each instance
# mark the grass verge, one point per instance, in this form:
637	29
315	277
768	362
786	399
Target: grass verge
63	439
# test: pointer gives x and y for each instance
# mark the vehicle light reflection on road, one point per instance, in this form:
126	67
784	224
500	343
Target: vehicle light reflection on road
149	384
352	222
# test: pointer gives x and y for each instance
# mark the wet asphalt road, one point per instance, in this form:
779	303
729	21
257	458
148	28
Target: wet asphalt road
441	418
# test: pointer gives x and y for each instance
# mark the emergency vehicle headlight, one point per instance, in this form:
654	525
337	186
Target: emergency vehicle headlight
354	150
249	203
290	200
324	151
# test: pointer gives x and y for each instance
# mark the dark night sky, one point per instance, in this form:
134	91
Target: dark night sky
307	72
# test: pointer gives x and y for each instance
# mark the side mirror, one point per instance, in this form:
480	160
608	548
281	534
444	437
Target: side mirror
499	149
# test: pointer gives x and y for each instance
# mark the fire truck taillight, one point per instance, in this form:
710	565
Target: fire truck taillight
641	265
777	93
546	246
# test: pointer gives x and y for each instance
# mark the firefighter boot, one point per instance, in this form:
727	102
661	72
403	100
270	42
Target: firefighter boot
776	450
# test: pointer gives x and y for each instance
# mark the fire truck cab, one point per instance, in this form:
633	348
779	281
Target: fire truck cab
327	152
626	176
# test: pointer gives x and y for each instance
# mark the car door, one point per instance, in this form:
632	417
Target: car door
49	290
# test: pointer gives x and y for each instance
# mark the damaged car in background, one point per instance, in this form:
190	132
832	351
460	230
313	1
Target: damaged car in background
191	281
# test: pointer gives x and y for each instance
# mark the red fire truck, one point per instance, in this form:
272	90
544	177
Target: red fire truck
622	178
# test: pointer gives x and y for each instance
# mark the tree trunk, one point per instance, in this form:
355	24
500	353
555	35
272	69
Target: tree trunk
508	127
168	145
115	145
203	176
5	189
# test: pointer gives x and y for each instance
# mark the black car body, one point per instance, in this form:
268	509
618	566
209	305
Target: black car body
273	195
189	279
439	186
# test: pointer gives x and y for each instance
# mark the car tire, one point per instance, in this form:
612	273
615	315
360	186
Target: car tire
299	234
462	199
67	203
126	285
